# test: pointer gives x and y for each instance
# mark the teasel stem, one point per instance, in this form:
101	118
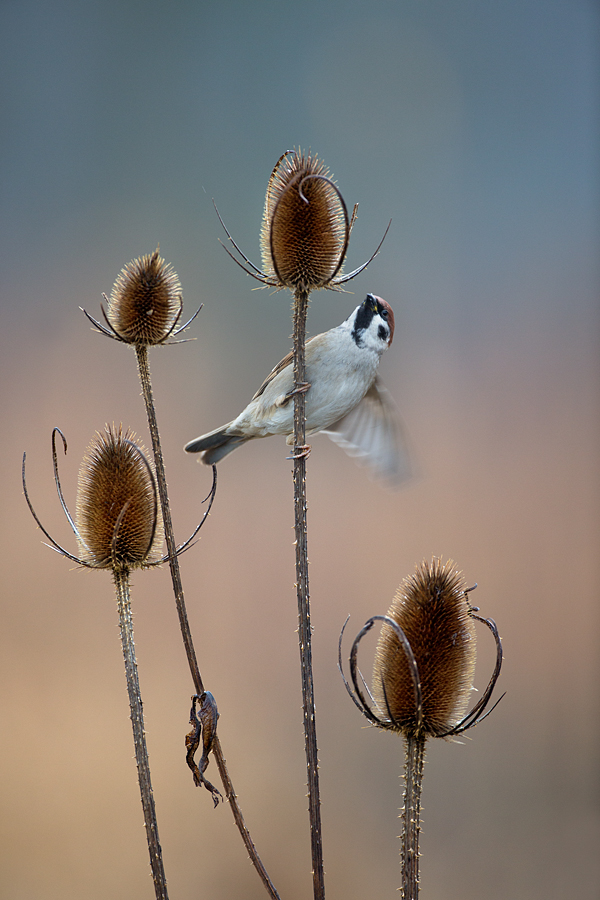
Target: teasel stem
121	577
144	373
422	679
414	746
304	629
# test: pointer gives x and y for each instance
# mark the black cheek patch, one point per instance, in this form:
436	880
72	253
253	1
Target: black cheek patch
382	333
363	319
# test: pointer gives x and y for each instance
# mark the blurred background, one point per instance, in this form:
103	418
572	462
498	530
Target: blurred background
475	128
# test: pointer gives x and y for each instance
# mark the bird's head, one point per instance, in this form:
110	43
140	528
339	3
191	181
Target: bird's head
373	323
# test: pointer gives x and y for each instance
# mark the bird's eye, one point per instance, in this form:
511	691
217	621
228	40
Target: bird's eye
384	313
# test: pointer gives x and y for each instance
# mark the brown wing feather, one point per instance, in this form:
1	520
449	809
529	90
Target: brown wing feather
274	373
289	358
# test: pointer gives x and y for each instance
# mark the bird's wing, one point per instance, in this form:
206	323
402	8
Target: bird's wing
285	362
274	373
374	434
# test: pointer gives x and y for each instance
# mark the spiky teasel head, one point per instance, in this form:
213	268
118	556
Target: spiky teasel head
432	609
305	228
118	521
425	658
145	304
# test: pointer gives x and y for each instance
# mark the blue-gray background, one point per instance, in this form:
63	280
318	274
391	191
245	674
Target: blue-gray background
474	126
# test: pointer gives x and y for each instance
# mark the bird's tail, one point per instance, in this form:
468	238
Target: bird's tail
215	445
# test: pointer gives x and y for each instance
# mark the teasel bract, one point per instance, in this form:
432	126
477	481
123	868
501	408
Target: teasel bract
422	680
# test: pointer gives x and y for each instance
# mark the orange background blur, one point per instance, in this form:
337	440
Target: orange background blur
474	126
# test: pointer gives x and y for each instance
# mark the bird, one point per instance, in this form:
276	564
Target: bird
345	398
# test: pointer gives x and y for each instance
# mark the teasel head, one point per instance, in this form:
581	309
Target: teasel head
118	524
425	658
305	230
145	304
117	519
305	227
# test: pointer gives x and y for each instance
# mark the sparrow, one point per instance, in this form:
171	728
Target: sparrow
345	398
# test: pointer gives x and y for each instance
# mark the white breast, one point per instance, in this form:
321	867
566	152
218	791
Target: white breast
340	374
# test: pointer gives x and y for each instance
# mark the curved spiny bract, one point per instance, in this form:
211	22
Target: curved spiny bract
100	556
432	609
425	658
305	230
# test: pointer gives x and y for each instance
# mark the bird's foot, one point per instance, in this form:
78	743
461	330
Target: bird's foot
299	389
301	452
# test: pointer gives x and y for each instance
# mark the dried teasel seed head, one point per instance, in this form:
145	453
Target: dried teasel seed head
145	303
118	520
305	226
433	611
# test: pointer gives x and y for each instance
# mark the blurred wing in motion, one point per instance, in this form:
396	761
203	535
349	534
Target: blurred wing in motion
374	435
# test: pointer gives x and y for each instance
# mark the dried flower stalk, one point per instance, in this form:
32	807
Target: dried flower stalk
422	680
304	239
304	247
117	527
149	285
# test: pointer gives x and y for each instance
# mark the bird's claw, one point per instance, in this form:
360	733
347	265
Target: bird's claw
301	452
298	389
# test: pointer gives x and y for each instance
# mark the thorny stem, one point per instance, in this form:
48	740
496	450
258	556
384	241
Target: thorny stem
144	372
304	629
411	815
139	738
